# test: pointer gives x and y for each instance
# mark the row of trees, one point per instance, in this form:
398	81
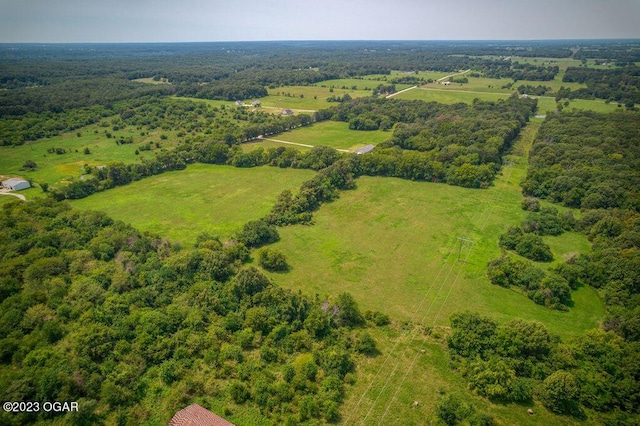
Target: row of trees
620	85
95	312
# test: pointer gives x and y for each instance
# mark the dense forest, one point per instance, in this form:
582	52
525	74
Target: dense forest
93	311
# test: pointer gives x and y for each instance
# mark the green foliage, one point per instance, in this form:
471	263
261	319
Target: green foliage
347	312
526	244
378	318
452	410
492	379
273	260
257	233
100	311
599	154
365	344
560	393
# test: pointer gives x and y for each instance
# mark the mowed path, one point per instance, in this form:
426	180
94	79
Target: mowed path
295	143
22	197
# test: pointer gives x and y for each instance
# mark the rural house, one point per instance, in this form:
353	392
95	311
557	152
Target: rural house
286	111
16	184
195	415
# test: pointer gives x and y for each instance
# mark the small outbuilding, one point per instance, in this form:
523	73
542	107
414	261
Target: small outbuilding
196	415
286	111
365	149
16	184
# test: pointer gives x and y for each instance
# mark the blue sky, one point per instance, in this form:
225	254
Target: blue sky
214	20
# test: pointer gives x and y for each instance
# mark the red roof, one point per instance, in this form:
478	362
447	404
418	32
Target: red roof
195	415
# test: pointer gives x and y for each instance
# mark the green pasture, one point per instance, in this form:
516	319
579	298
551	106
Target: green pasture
448	96
562	63
397	246
55	168
266	144
307	97
366	83
335	134
180	205
388	385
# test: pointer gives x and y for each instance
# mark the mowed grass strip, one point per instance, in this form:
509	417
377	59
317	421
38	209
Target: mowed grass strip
203	198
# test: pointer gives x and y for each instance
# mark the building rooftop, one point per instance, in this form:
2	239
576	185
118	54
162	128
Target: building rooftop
195	415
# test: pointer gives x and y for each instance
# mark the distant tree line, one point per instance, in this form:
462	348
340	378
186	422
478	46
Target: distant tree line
588	160
620	85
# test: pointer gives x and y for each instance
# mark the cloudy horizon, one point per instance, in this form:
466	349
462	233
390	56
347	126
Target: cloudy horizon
87	21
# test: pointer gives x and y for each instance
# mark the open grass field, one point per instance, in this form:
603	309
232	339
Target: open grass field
335	134
388	385
394	244
180	205
53	168
433	93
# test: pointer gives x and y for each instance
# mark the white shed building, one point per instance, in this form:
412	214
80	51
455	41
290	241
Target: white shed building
365	149
16	184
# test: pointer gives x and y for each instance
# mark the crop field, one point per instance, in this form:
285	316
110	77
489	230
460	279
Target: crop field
203	198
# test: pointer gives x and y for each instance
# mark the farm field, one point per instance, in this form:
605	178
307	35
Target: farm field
335	134
394	245
307	97
203	198
53	168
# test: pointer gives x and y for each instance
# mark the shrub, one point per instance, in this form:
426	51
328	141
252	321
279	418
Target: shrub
273	260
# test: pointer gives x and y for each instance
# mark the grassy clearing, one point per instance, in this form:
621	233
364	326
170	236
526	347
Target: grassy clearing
307	97
394	245
54	168
335	134
203	198
389	383
449	96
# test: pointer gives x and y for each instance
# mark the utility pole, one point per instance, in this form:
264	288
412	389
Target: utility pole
463	242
